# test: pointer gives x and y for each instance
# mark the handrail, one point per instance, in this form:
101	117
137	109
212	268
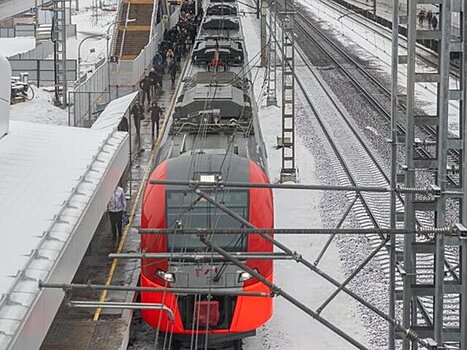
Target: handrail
125	28
155	8
113	42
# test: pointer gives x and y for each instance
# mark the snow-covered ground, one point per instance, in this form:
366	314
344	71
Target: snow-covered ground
291	328
40	109
92	24
369	43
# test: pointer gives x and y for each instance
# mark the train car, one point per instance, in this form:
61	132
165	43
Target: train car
213	135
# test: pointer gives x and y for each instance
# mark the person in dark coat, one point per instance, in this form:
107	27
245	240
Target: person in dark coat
138	114
173	71
434	22
123	125
145	86
429	16
153	77
156	113
157	60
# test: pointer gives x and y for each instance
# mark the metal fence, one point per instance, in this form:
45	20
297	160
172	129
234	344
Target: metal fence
18	30
90	97
40	71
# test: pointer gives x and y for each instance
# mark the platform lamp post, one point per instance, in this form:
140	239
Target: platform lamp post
107	51
79	51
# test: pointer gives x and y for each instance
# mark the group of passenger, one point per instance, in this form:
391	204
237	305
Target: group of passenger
431	19
177	42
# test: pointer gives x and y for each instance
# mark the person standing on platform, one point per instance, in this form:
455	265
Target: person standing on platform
145	86
169	56
173	71
434	23
429	17
123	125
153	77
156	113
138	114
115	208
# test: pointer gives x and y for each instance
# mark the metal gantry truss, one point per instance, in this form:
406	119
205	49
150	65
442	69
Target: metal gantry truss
59	39
428	274
272	54
288	170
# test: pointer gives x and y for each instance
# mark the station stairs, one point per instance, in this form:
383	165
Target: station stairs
133	37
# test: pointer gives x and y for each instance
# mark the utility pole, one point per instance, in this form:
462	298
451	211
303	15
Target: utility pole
263	33
59	40
449	181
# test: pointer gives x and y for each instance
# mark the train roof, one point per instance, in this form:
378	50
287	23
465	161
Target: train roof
209	164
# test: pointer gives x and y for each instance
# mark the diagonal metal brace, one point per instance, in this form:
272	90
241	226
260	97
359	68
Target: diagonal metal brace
283	294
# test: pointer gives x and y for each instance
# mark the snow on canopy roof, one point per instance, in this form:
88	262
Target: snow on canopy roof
113	113
13	46
48	178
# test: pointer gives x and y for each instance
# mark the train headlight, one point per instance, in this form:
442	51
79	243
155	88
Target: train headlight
166	276
244	276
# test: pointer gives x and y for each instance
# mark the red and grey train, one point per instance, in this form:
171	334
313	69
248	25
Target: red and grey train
213	133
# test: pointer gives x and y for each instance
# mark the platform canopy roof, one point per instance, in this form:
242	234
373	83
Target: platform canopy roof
55	182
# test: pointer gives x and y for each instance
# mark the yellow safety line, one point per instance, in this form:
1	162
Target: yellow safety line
135	28
113	267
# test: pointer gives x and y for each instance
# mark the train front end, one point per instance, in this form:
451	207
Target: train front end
226	315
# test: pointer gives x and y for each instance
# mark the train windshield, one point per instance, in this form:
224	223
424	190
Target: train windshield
195	212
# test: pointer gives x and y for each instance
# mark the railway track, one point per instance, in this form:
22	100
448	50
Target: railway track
385	33
376	93
359	166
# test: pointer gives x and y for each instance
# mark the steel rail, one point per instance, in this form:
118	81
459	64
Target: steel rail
293	231
220	184
215	291
121	305
204	256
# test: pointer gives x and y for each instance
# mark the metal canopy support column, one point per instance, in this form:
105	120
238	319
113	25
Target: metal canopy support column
462	47
438	321
394	122
288	171
59	39
272	97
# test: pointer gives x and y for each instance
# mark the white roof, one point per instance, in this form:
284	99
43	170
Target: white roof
48	178
112	115
13	46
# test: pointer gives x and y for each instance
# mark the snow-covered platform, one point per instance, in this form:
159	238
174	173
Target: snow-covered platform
55	183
